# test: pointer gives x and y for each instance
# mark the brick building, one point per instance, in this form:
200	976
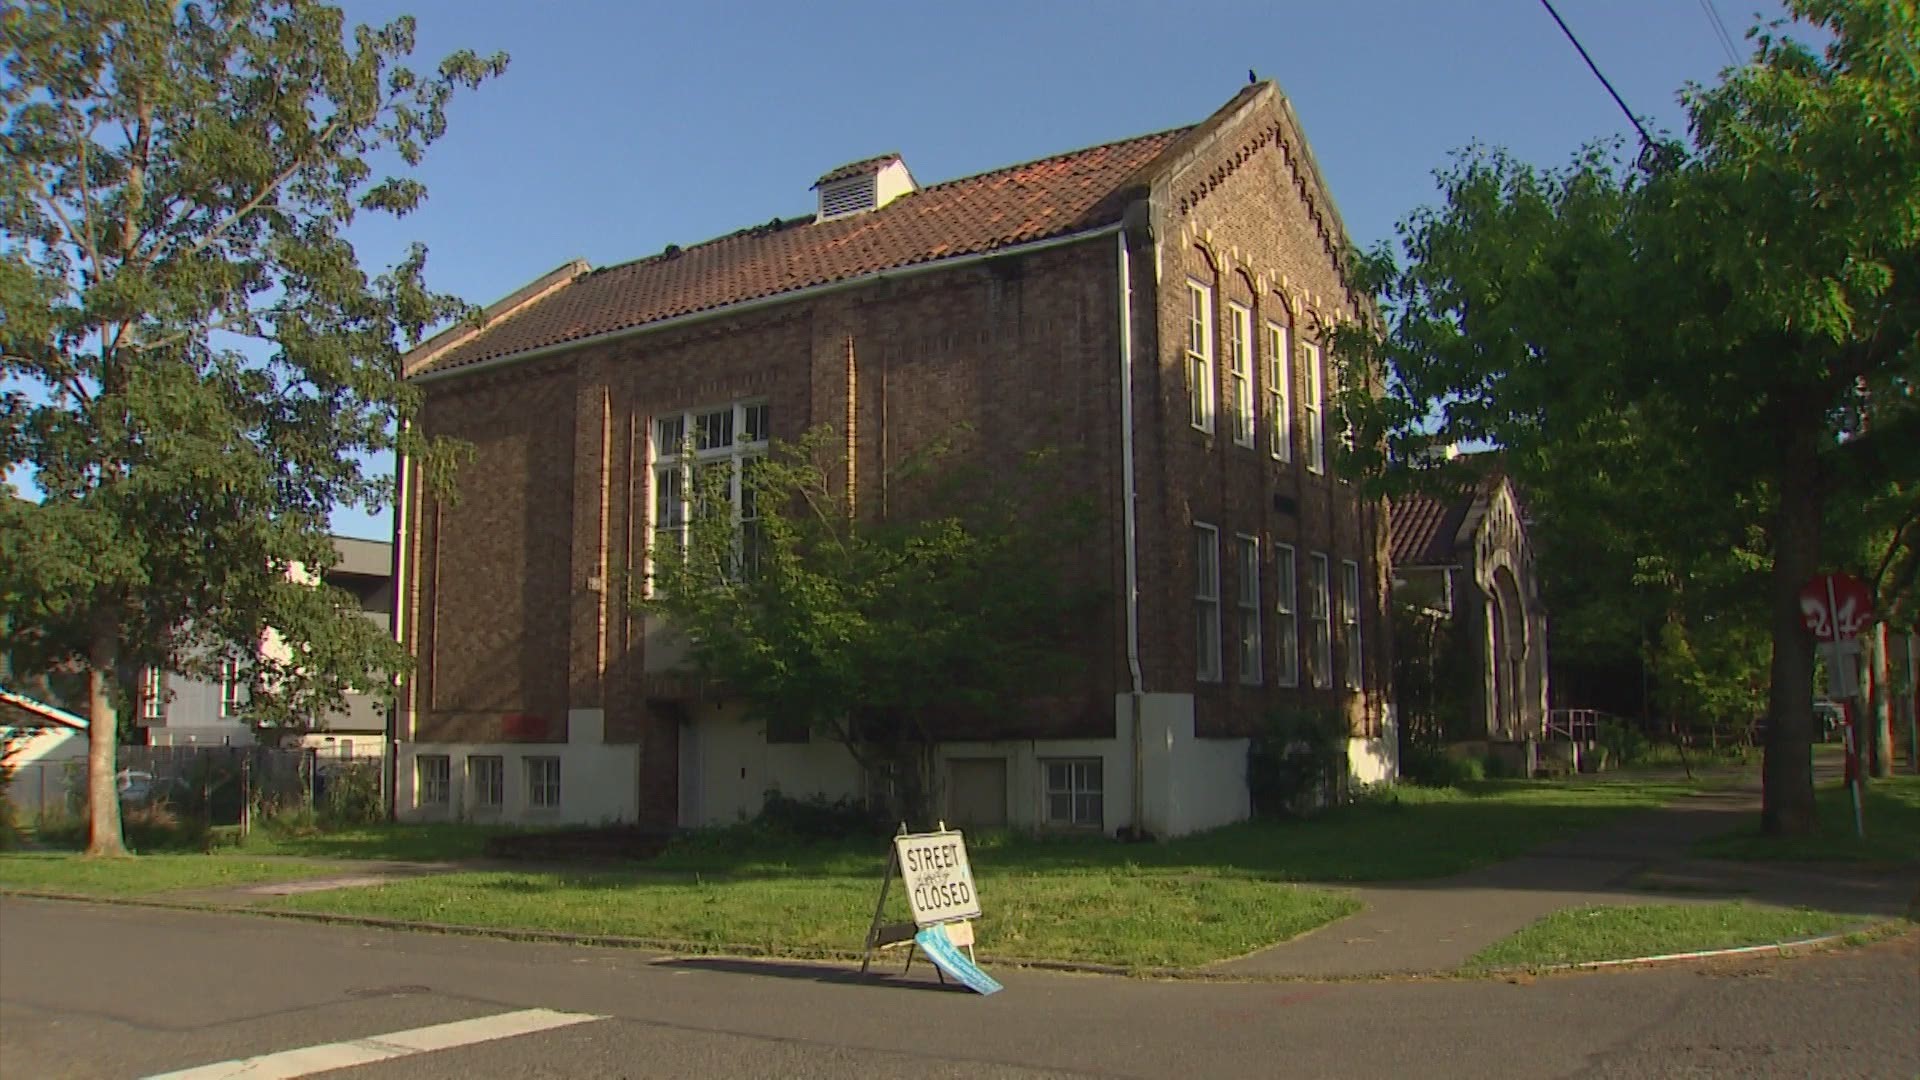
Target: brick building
1154	304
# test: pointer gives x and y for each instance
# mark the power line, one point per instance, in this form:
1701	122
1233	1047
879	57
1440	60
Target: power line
1719	25
1646	141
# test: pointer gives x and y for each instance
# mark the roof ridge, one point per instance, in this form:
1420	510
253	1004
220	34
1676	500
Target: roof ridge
1109	144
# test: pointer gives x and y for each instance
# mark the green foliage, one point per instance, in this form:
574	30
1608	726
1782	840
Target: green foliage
876	631
1437	768
353	795
1695	372
1433	676
196	368
1295	762
1624	743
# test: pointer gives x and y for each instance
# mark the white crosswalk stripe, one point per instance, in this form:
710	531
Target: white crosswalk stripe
307	1060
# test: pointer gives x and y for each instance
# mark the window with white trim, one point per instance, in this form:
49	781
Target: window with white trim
1350	616
696	454
232	688
1279	394
489	772
1316	410
1076	793
433	773
153	696
543	783
1319	622
1200	354
1247	590
1286	616
1240	373
1206	601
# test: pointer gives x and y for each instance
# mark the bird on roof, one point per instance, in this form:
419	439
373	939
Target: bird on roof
1251	77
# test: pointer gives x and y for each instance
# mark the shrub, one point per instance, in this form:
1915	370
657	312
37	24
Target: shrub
1495	767
1437	768
817	818
1293	764
353	795
1624	743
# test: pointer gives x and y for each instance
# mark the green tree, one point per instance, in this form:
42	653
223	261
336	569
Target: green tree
193	366
879	632
1749	301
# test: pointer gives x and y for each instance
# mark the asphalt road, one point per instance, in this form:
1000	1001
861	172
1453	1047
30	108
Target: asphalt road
100	991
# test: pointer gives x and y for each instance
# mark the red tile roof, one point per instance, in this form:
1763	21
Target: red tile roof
1020	204
1421	529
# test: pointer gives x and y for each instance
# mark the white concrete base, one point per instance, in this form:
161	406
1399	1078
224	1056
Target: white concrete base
727	767
599	782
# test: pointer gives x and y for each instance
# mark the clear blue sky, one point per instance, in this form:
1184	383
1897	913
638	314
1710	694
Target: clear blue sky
621	127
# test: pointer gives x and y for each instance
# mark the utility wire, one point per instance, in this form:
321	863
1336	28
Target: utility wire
1646	141
1712	11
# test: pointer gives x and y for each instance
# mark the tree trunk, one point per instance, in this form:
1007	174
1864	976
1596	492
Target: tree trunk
103	732
1787	770
1876	725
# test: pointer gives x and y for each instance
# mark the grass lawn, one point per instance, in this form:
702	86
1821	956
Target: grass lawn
145	874
1892	814
1136	920
1178	903
1579	935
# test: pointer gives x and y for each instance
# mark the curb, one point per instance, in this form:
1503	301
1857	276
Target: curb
671	949
1871	931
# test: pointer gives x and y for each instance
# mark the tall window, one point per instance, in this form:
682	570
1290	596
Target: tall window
1316	411
1240	372
1350	615
1206	601
1287	616
1200	354
1247	585
232	688
701	461
153	696
543	783
1319	622
1279	394
433	771
489	774
1076	793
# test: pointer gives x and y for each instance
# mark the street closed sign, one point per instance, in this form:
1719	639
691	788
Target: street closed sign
939	881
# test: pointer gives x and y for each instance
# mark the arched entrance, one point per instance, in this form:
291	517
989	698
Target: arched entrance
1509	655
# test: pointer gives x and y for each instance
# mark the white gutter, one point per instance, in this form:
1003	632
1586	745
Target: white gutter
1129	526
398	625
745	306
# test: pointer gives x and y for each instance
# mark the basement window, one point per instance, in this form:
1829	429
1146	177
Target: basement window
434	772
1076	793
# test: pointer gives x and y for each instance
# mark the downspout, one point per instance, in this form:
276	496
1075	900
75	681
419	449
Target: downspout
1130	528
397	624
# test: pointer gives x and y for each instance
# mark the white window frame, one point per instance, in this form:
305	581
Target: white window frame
1206	602
1240	372
153	696
1316	410
1320	620
542	794
433	780
1085	789
1199	354
230	688
489	792
1247	591
1286	610
1350	617
1279	393
676	464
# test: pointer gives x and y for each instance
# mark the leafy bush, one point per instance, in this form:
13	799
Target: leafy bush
1624	743
1293	764
817	818
9	829
353	795
1495	767
1437	768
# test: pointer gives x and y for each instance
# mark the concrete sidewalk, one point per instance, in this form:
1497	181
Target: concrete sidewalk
1438	925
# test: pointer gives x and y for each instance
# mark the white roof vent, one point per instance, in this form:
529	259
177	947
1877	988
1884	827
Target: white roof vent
862	186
